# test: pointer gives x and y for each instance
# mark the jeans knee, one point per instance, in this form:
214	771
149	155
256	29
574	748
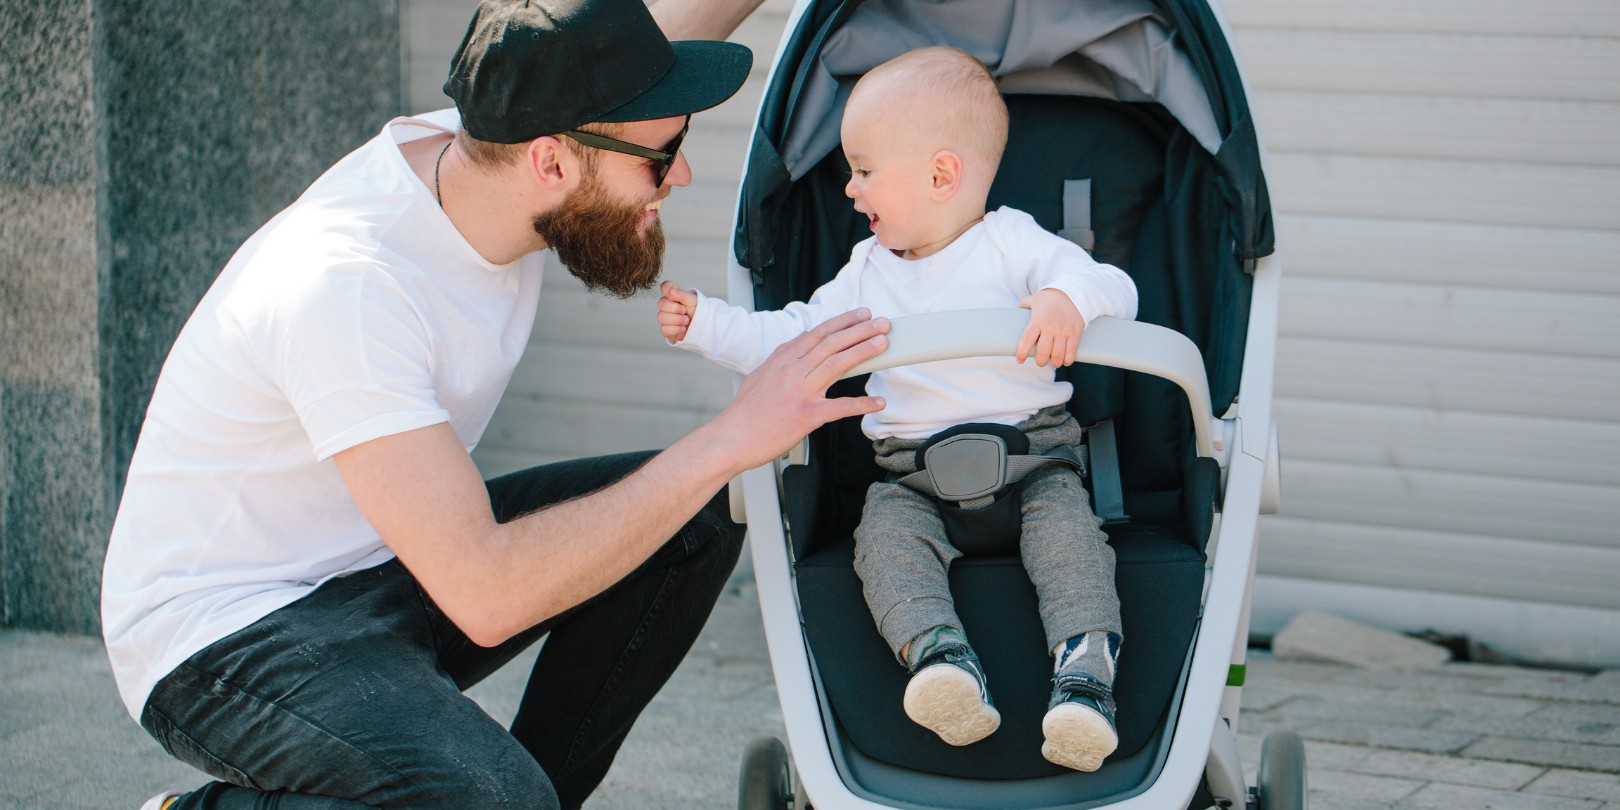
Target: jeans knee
494	782
516	788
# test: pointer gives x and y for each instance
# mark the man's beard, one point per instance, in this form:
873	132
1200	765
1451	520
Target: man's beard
599	240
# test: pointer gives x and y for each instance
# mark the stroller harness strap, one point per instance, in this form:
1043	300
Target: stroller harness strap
1106	489
1077	214
969	469
1103	456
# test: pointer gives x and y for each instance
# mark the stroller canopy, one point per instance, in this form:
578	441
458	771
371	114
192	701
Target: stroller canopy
1126	50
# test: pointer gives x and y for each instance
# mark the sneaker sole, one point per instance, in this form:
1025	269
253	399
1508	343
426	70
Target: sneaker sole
1077	737
945	700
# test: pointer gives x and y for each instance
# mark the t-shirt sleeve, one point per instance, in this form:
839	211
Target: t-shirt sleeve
356	362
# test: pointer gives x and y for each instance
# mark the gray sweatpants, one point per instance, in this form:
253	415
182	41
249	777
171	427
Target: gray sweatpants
902	554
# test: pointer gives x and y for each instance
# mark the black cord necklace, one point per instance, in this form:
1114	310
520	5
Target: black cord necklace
436	194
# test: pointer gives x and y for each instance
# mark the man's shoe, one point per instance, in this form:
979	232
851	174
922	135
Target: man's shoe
947	695
1079	722
161	800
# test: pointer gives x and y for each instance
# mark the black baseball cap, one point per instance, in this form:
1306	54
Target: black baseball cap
528	68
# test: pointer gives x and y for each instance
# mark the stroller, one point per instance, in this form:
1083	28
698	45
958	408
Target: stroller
1129	133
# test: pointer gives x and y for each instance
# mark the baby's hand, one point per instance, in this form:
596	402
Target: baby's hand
675	311
1053	334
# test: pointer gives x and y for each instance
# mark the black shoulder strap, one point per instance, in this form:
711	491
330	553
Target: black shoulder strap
1077	214
1106	490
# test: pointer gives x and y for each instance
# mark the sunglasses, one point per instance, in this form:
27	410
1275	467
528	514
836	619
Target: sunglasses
662	161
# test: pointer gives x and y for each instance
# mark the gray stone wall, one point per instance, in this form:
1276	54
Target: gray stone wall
141	142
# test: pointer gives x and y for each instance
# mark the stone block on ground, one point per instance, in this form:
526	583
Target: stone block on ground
1577	785
1316	636
1579	756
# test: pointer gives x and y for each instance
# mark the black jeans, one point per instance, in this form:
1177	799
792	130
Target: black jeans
351	696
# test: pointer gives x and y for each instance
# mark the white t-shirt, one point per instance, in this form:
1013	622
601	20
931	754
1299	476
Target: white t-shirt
996	263
358	312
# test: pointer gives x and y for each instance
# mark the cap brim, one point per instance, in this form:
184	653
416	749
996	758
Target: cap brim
705	74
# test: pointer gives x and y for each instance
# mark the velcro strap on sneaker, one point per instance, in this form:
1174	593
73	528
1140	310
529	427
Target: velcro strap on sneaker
1070	685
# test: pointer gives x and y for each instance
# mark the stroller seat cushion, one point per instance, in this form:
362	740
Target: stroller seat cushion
1159	577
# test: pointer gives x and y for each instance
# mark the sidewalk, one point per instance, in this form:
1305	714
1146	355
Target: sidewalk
1462	736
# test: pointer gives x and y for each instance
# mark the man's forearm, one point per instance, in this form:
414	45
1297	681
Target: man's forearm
701	19
549	561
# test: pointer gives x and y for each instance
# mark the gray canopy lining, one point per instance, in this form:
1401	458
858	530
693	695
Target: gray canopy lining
1113	49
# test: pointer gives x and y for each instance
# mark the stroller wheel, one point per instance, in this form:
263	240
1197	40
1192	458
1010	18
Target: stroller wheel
1280	784
765	782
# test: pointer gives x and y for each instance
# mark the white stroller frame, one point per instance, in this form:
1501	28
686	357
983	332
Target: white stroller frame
1203	751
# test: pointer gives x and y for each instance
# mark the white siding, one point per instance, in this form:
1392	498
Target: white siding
1447	179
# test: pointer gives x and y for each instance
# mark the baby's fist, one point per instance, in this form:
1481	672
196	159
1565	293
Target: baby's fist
675	311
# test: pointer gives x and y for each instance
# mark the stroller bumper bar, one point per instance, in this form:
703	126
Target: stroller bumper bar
1130	345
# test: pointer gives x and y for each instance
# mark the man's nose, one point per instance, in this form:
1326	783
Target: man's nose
680	174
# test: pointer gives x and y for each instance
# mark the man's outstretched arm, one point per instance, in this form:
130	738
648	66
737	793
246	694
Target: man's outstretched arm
427	501
701	19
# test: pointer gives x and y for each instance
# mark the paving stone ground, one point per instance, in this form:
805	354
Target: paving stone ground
1463	736
1457	735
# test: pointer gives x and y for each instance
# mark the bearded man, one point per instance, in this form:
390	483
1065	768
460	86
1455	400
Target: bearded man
306	568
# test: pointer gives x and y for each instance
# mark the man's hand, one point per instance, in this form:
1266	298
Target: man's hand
786	397
676	309
1053	334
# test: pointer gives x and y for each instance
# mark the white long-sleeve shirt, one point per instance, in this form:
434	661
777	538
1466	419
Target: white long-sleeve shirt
996	263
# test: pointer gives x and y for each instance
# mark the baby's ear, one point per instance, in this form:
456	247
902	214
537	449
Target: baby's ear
947	177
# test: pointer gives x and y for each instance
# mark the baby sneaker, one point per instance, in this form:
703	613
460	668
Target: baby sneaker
1079	722
947	695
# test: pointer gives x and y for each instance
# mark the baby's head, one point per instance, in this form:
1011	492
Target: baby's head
923	134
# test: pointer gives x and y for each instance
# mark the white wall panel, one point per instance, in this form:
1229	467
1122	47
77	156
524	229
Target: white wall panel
1403	438
1454	316
1520	383
1534	570
1483	505
1405	250
1522	130
579	373
548	428
1482	192
1568	67
1551	17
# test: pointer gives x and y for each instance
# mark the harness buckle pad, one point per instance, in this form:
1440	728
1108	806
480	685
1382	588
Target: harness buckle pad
967	466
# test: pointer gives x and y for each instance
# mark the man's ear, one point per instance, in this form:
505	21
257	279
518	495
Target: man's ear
553	165
947	177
